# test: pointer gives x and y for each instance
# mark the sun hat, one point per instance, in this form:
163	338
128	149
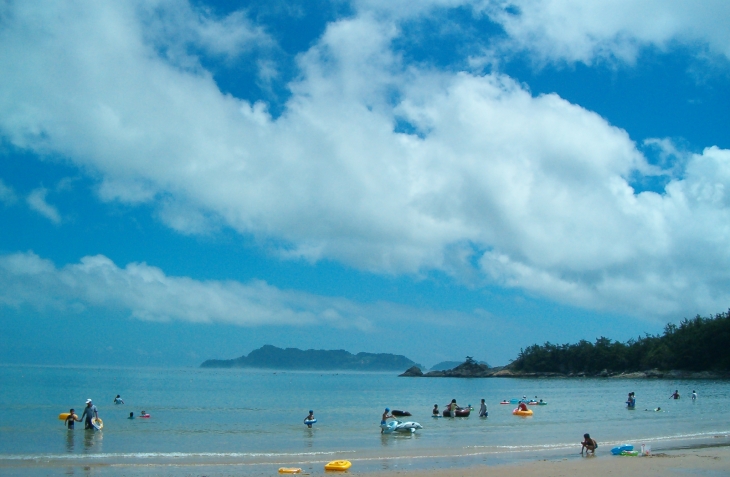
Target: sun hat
88	401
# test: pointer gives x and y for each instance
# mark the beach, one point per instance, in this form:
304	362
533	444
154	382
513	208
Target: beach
704	461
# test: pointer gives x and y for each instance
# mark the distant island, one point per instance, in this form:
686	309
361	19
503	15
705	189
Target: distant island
271	357
696	349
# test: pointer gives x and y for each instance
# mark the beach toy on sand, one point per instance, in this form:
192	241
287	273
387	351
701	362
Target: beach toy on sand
338	465
518	412
289	470
622	448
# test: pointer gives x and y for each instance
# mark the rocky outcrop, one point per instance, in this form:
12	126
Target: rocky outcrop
475	370
413	372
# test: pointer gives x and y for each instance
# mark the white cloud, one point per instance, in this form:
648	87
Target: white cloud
148	294
37	201
583	31
532	188
7	194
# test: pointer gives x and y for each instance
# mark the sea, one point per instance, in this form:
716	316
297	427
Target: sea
243	422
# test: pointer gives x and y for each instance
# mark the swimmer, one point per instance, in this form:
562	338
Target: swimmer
118	400
675	394
71	419
131	415
310	417
588	444
435	411
144	414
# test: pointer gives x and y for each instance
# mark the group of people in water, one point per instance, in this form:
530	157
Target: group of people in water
453	409
631	400
87	417
91	413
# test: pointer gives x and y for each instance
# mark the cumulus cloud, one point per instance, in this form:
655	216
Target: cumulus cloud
37	201
7	194
580	31
533	190
148	294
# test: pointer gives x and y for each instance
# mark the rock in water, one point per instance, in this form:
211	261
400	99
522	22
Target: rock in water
413	371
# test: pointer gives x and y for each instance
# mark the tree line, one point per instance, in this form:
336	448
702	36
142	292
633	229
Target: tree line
697	344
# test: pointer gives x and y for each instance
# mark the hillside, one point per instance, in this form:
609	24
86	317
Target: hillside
271	357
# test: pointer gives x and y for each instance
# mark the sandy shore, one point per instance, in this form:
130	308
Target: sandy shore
707	462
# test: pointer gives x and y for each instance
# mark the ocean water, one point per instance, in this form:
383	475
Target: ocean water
249	422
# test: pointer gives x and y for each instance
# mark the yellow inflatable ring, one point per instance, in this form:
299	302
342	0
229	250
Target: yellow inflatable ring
338	465
289	470
517	412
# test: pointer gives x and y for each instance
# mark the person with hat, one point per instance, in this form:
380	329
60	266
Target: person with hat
90	413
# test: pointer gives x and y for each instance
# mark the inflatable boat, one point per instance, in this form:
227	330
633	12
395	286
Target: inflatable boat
398	426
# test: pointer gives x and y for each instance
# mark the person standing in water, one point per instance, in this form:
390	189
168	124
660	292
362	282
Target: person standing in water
118	400
483	409
309	420
384	419
675	394
71	419
452	408
90	413
435	411
694	394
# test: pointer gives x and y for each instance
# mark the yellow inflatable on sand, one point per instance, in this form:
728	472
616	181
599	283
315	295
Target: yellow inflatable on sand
289	470
338	465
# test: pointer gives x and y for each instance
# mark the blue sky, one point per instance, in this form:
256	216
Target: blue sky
190	180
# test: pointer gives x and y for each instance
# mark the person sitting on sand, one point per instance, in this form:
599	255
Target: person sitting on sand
588	444
675	394
435	411
309	418
71	419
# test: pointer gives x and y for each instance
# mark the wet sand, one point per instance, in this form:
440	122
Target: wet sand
705	462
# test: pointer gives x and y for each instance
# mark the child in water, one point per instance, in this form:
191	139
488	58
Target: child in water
435	411
310	418
71	419
131	415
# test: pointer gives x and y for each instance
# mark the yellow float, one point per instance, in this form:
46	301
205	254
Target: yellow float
517	412
289	470
338	465
64	415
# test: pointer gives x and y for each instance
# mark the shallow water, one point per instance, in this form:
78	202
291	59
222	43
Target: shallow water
221	422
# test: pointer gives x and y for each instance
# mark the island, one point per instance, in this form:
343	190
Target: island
271	357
